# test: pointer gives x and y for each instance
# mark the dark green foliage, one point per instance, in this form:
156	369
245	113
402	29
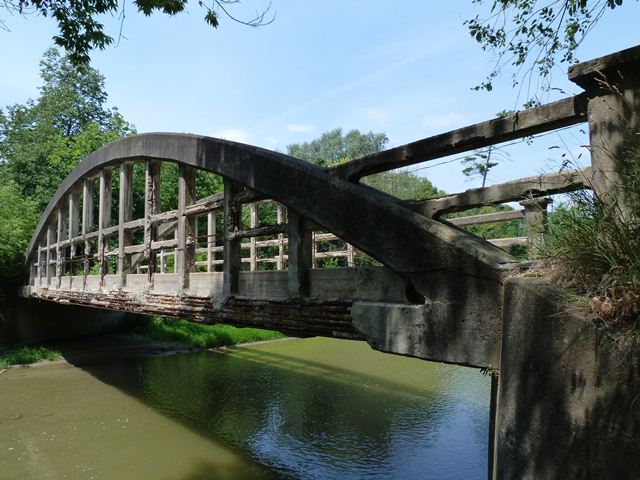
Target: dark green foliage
403	185
199	335
25	355
42	141
511	228
534	36
18	218
334	147
80	29
593	245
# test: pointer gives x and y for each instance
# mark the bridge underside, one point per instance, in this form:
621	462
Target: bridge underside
262	300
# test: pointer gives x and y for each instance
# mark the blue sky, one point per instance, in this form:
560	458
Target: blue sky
402	67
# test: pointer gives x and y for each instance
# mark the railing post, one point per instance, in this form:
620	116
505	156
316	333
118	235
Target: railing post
300	246
60	236
151	207
613	86
232	248
280	259
74	227
51	233
211	241
186	254
104	219
314	250
125	214
253	223
39	269
351	255
87	226
535	217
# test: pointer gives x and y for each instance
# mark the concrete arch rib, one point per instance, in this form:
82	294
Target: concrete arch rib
404	241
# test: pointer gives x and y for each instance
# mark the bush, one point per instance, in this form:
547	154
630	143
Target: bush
593	246
25	355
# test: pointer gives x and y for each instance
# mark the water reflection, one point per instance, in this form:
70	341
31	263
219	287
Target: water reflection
320	408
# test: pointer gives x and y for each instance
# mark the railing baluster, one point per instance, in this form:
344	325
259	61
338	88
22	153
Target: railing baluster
232	249
60	236
151	207
51	232
185	259
74	228
280	259
87	226
300	250
125	214
253	223
211	239
104	219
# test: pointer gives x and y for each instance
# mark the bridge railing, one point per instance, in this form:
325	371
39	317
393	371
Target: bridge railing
609	105
80	240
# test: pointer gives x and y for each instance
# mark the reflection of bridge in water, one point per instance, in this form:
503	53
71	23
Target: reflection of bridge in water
437	293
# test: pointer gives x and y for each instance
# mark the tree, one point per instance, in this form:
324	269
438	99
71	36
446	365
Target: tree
333	148
79	25
534	36
42	140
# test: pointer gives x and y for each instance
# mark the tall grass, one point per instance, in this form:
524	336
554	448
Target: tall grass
199	335
26	355
593	245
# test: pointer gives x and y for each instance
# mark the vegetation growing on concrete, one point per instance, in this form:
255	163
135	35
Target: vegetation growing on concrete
199	335
593	247
26	355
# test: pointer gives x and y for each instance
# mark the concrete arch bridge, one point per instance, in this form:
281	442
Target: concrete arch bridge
429	289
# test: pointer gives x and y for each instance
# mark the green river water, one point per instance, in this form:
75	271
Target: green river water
301	409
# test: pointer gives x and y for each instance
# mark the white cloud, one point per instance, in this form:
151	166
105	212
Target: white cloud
377	114
444	120
300	128
234	134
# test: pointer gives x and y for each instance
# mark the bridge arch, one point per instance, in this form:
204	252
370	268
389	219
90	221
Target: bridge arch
403	240
442	267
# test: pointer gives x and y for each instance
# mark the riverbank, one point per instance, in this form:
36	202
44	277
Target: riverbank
196	334
141	336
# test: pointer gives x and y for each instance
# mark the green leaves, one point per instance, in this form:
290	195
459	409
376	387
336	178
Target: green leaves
80	30
534	37
41	141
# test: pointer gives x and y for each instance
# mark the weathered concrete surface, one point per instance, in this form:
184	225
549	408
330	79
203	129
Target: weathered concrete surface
460	322
569	402
39	321
614	115
562	113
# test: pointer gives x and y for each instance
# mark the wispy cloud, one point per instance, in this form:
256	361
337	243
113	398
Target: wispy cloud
359	82
300	128
444	120
234	134
377	115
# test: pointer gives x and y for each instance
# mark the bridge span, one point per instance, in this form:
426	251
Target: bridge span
413	283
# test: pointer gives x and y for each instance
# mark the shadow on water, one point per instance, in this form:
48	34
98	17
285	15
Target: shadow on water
304	416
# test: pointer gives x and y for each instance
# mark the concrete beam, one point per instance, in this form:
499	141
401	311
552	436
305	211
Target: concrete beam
569	111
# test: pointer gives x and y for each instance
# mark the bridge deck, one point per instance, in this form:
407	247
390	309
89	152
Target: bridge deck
262	299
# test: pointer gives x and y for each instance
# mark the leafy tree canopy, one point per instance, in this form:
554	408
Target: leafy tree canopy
534	36
334	147
80	29
42	140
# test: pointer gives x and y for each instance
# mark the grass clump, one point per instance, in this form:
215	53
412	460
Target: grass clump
199	335
593	247
25	355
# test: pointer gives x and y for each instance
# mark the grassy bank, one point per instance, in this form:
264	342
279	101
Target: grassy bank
26	355
199	335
